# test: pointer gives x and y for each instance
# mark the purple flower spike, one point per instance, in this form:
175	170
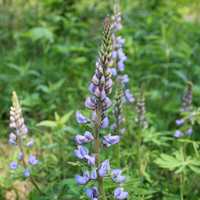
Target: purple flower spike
179	122
32	160
105	122
104	168
120	194
109	140
13	165
81	152
82	180
117	177
92	193
178	134
26	173
81	119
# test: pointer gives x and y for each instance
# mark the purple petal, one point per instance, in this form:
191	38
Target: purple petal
104	168
81	119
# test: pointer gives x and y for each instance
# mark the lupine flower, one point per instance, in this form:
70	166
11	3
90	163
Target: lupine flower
93	175
92	193
27	173
19	137
179	122
81	119
120	194
104	168
81	152
81	139
128	96
98	102
32	160
82	180
178	134
189	131
117	177
109	140
13	165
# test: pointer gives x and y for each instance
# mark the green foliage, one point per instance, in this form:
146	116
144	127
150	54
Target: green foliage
48	50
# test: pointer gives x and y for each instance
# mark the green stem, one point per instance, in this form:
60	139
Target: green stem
102	195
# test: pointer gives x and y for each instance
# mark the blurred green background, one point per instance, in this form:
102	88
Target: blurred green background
48	50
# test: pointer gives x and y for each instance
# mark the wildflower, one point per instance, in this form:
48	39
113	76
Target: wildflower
104	168
82	180
117	177
32	160
179	122
109	140
178	134
81	119
120	194
26	173
13	165
92	193
81	152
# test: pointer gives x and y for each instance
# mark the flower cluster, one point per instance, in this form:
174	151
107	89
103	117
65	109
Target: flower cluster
185	123
98	102
141	111
18	137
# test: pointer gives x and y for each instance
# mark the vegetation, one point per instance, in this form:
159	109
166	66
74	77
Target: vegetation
48	51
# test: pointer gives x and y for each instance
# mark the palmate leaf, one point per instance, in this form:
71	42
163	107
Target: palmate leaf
178	162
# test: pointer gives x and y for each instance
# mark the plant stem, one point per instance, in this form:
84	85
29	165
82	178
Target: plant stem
102	195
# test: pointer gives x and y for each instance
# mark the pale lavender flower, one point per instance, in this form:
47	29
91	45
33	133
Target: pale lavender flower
105	122
82	180
81	139
120	194
90	159
180	122
189	131
117	177
20	156
32	160
128	96
92	193
81	152
13	165
109	140
93	175
178	134
81	119
12	139
104	168
30	143
27	173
